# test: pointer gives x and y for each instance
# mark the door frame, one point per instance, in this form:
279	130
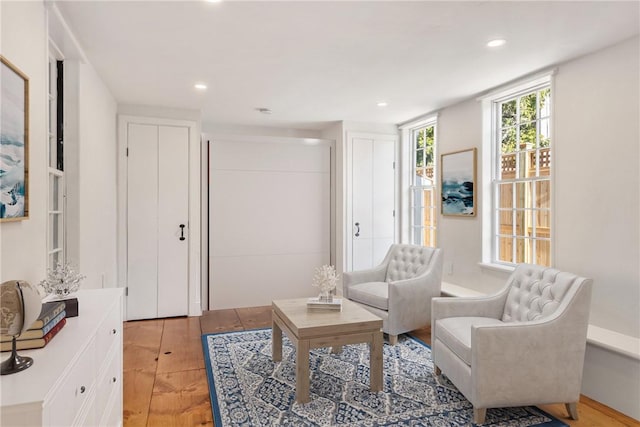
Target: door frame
348	211
193	228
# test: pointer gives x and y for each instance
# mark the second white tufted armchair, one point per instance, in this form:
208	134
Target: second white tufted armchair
399	290
524	345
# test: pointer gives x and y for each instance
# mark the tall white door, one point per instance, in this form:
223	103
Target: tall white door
372	199
157	221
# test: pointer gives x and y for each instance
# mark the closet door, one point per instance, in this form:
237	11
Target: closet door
157	221
372	199
142	222
173	216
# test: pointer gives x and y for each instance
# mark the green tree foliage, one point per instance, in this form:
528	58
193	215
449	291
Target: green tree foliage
520	117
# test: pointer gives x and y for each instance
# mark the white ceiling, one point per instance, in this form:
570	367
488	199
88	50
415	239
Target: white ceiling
319	62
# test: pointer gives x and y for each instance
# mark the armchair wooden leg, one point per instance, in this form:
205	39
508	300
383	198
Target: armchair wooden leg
393	339
479	414
572	409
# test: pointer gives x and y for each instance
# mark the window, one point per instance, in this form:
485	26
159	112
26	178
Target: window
521	181
56	204
423	185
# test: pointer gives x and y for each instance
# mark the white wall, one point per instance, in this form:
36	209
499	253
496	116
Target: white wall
597	203
24	42
97	162
91	211
598	188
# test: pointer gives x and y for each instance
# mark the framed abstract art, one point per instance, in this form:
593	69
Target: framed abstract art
14	143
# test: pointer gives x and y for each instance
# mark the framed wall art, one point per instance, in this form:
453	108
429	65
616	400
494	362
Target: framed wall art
458	183
14	143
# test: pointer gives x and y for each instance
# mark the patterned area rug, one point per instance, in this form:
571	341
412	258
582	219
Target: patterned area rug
247	388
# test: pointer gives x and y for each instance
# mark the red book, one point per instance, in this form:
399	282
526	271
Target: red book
35	343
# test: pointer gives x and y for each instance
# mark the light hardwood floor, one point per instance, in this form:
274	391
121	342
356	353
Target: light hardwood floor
165	383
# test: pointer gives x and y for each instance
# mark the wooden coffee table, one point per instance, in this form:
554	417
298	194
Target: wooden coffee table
315	328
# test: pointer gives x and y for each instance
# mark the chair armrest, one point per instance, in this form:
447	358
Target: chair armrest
376	274
490	306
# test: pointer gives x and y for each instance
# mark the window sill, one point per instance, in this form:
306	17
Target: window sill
496	267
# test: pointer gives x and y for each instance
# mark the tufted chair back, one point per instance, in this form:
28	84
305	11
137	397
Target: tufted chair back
535	292
407	261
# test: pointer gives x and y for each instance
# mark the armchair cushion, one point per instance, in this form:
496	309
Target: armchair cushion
535	294
407	261
374	294
455	333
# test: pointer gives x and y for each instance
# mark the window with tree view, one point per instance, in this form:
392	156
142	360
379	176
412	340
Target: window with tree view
423	198
522	178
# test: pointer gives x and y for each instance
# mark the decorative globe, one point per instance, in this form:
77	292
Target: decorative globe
20	305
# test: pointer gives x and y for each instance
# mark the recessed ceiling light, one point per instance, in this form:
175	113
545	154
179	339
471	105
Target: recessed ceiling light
263	110
200	86
382	104
213	1
496	42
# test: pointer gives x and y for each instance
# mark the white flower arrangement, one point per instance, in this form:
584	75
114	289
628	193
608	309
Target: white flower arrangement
62	281
325	279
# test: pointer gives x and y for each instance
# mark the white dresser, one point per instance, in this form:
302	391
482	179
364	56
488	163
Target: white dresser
77	378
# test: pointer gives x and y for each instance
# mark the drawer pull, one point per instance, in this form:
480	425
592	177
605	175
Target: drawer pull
113	380
113	331
82	389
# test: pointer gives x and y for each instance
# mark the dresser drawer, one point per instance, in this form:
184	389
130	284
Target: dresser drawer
109	382
75	389
109	333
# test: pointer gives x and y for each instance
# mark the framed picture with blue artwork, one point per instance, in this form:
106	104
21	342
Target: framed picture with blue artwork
458	183
14	143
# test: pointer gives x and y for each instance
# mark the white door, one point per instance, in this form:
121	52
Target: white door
372	199
157	221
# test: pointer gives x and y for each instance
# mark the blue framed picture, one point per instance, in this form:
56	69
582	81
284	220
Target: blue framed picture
14	142
458	183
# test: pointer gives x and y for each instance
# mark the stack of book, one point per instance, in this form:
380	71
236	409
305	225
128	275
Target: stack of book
321	304
52	318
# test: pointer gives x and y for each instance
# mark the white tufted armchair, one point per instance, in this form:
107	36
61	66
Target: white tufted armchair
399	290
523	346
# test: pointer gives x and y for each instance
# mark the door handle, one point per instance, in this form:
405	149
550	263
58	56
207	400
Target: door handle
357	229
182	232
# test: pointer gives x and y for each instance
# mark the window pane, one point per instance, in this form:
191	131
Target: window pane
429	237
524	250
419	139
543	252
528	136
545	102
508	113
508	141
528	108
544	157
55	193
420	158
505	192
505	222
506	249
508	166
523	194
55	231
543	194
545	133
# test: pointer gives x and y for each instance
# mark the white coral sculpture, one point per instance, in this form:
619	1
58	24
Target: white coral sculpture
325	278
62	280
